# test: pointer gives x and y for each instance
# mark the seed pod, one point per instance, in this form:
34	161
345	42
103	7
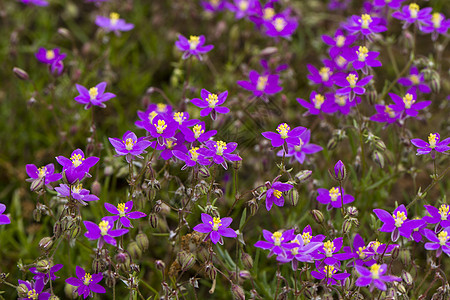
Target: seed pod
380	145
332	144
435	83
46	243
134	250
43	265
317	215
204	172
153	220
37	184
237	292
57	229
247	260
378	158
407	278
211	271
303	175
352	211
142	241
98	265
395	252
157	207
22	291
21	74
64	33
347	226
372	94
186	260
294	197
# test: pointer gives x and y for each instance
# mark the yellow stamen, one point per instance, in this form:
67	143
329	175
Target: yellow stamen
437	20
361	253
340	61
93	93
444	212
77	160
221	146
212	100
268	13
170	144
443	237
161	126
178	117
114	17
33	294
42	171
152	115
261	83
50	54
329	248
277	237
389	111
330	270
432	139
334	194
76	189
365	21
340	41
306	238
193	42
161	107
318	100
340	100
243	5
362	53
104	227
399	218
325	73
283	130
413	10
277	193
121	208
217	223
129	143
194	154
408	100
375	270
415	79
198	130
87	279
279	24
352	79
375	244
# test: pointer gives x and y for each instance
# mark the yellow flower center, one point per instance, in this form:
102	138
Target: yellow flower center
362	53
443	237
329	248
33	294
152	115
375	270
216	223
42	171
365	21
279	24
277	193
318	101
161	126
87	278
212	100
432	139
93	92
129	143
334	193
306	238
194	154
277	238
330	270
114	17
178	117
193	42
198	130
170	144
399	218
340	41
298	148
361	253
221	146
294	251
413	10
283	130
268	13
325	73
389	111
261	83
444	212
76	159
352	79
50	54
375	244
121	208
341	61
243	5
437	20
415	79
104	227
76	189
161	107
408	100
340	100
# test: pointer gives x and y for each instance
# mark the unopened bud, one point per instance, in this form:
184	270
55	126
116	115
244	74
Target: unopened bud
352	211
153	220
401	288
253	206
244	274
142	241
46	243
332	144
435	83
294	197
237	292
247	260
372	95
407	278
43	266
317	215
378	158
339	173
22	291
395	252
204	172
303	175
157	207
57	229
211	271
186	260
37	184
134	250
160	265
346	226
122	257
380	145
21	74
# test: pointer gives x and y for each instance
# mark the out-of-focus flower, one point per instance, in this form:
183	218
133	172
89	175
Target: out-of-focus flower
281	25
146	117
439	242
194	46
4	219
215	228
35	2
362	58
415	80
242	8
298	152
47	174
394	4
333	197
211	103
103	232
77	167
94	96
366	25
45	276
318	103
130	145
330	273
261	84
123	213
385	114
34	290
86	283
374	277
439	25
434	144
113	23
408	105
413	14
214	5
339	42
171	145
52	58
341	103
76	192
277	242
220	152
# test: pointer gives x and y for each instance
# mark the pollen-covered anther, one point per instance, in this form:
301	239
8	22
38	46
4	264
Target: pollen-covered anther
216	223
365	21
261	83
77	160
283	130
329	248
413	10
87	278
437	20
277	238
334	194
408	100
432	140
121	208
444	211
104	227
50	54
279	24
161	126
221	146
93	93
324	73
178	117
399	218
340	41
362	53
194	153
129	143
277	193
352	79
212	100
443	237
194	40
114	17
375	270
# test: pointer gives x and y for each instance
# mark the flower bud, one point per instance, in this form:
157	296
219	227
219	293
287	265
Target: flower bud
380	145
37	184
186	260
122	257
317	215
160	265
253	206
64	33
153	220
211	271
157	207
57	229
22	291
21	74
43	266
401	288
340	171
237	292
46	243
395	252
247	260
372	94
407	278
435	83
303	175
332	144
378	158
352	211
75	232
98	265
134	250
346	226
204	172
142	241
294	197
96	188
244	274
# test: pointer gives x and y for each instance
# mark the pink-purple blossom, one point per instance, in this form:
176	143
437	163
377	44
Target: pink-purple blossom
215	228
195	46
95	96
86	283
211	103
130	145
113	23
123	213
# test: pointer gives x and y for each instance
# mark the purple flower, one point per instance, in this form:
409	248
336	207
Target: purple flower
333	197
385	114
394	4
77	193
377	250
324	76
359	252
152	111
407	105
339	42
4	219
214	5
440	217
172	145
339	171
129	145
301	253
161	128
86	283
374	277
362	58
210	103
439	242
77	167
351	85
317	104
242	8
434	144
220	152
215	228
285	136
182	118
274	193
397	223
35	2
329	252
45	276
329	272
191	158
415	80
439	25
103	232
277	242
419	231
34	290
298	152
281	25
94	96
194	46
261	84
47	174
366	25
413	14
113	23
198	132
52	58
123	213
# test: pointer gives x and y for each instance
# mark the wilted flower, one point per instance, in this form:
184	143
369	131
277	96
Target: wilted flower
76	192
374	277
4	219
123	213
77	167
130	145
210	103
103	232
215	228
86	283
113	23
94	96
194	46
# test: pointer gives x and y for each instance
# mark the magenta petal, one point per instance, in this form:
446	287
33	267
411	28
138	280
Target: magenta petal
203	228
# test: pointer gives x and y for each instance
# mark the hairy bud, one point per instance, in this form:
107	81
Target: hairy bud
46	243
160	265
247	260
43	265
317	215
237	292
303	175
21	74
186	260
